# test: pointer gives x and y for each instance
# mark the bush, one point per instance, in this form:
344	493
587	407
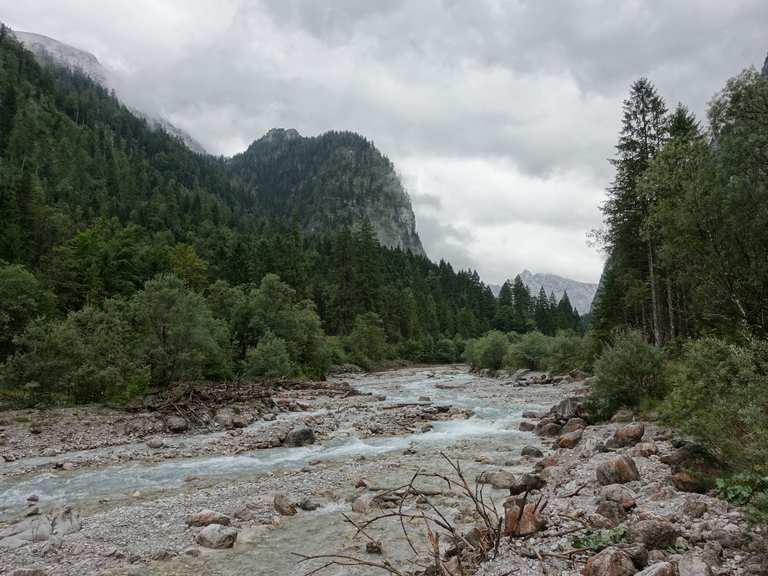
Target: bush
719	394
269	359
528	351
628	372
86	357
566	352
22	299
488	351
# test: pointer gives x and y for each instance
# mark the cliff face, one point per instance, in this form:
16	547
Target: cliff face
332	180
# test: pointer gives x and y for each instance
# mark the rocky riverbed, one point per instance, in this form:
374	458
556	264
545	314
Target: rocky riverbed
248	486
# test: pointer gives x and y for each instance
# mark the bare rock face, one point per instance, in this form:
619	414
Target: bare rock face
619	470
654	534
628	435
300	436
610	562
570	439
206	518
217	537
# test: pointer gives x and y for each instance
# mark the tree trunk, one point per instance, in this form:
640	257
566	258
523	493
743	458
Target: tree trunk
657	340
671	309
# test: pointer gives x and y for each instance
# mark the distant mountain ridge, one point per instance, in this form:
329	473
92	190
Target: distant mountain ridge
51	51
580	294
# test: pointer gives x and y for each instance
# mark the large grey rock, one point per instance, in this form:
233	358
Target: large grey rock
217	537
531	451
567	408
627	435
300	436
176	424
498	479
693	566
654	534
619	470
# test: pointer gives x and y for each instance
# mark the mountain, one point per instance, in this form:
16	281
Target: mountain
327	181
51	51
580	294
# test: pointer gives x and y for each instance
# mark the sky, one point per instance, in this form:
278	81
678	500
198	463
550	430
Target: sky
500	115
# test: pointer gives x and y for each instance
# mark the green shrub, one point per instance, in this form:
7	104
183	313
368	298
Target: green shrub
627	372
719	394
597	540
488	351
565	352
529	351
86	357
269	359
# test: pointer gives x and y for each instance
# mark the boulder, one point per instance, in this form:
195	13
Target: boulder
155	443
628	435
573	425
217	537
610	562
613	511
521	518
224	418
550	429
207	517
283	506
299	436
530	415
527	483
693	566
498	479
570	439
623	416
696	461
686	482
568	408
618	493
654	534
619	470
531	451
644	449
176	424
526	426
659	569
694	508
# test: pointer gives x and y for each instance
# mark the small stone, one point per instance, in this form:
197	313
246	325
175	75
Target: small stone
155	443
217	537
33	498
685	482
373	547
308	505
68	466
644	450
694	508
693	566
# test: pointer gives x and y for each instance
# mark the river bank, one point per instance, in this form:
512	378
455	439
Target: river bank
142	515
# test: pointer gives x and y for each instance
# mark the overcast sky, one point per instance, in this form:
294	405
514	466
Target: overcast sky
499	115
